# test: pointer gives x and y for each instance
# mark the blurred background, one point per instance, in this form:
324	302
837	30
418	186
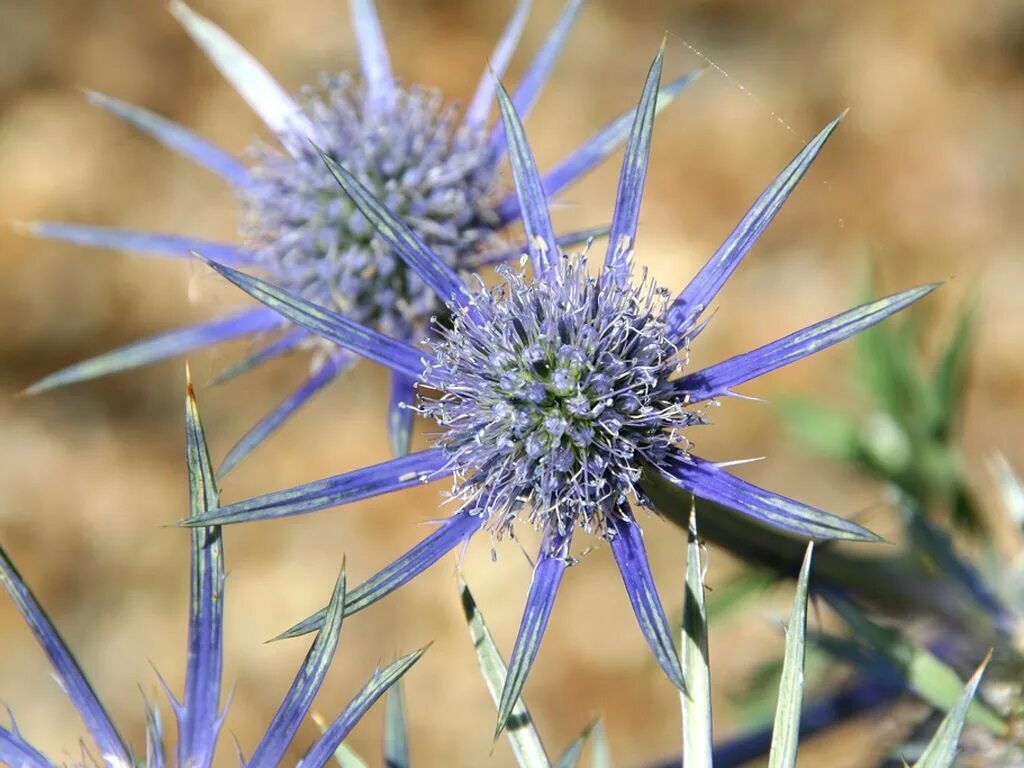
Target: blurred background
923	182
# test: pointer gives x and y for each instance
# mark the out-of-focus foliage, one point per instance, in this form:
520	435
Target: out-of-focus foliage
908	436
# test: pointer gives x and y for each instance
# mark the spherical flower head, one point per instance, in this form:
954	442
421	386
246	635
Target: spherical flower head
429	168
556	395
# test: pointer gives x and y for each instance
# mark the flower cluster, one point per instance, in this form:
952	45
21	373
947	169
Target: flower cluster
436	171
433	164
560	398
559	392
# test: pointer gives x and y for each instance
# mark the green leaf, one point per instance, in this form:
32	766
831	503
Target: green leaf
951	370
346	757
822	428
600	752
927	676
887	365
334	734
696	701
941	750
396	739
571	756
786	731
526	745
1011	489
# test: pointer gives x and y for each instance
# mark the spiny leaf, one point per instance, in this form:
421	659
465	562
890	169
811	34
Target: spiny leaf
786	732
951	370
926	675
941	750
696	701
571	756
396	731
600	752
526	745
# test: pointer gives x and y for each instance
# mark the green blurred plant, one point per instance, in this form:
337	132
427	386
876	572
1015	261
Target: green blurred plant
909	437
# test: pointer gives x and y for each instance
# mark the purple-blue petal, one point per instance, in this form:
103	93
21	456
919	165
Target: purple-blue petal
373	56
707	480
627	545
457	529
161	347
392	475
282	345
364	341
595	150
70	675
199	716
177	138
155	747
705	285
279	735
547	576
539	70
401	413
323	750
622	235
333	367
718	379
480	105
145	242
407	245
540	237
14	750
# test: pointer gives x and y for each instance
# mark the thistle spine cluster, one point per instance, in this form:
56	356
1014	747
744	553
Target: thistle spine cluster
555	395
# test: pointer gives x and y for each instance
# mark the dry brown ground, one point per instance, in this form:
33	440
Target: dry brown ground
924	179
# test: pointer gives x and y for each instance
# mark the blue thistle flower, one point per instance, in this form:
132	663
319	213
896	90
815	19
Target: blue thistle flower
198	713
435	167
558	394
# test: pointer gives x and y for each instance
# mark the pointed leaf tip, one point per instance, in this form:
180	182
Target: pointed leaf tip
941	750
547	577
633	175
786	730
526	744
305	686
696	701
627	546
705	285
533	204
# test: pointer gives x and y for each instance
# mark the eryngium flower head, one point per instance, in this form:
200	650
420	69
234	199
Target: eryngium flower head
433	170
559	393
432	163
555	394
198	713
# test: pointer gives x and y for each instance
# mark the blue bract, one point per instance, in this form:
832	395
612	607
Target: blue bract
557	393
434	165
198	713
